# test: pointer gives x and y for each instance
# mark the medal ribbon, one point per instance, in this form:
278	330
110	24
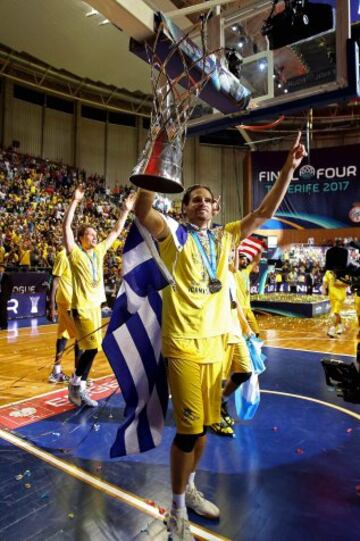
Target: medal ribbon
210	264
93	266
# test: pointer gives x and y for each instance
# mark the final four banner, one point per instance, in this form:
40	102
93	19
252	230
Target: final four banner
325	191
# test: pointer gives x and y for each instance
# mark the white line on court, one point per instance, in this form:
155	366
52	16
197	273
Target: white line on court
316	400
111	490
309	350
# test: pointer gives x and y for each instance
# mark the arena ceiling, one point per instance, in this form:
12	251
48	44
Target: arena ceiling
61	35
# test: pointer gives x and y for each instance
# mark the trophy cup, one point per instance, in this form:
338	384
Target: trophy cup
160	167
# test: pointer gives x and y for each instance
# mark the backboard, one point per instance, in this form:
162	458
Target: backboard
308	71
318	69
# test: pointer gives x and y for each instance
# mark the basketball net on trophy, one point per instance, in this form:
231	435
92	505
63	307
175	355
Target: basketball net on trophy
160	167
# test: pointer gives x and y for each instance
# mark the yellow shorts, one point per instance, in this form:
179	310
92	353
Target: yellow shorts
237	359
196	394
66	325
201	350
251	319
357	305
88	332
336	305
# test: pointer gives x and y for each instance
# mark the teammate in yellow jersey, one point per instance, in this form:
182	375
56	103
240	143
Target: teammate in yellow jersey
336	289
196	323
245	264
237	365
86	263
61	296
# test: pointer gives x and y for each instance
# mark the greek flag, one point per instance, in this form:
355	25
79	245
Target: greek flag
133	341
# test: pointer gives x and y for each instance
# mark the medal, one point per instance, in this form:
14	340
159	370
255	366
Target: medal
214	285
209	263
93	268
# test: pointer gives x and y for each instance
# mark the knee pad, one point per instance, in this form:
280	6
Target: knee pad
240	377
186	442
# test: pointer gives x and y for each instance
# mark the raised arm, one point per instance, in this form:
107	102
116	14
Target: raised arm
274	197
149	217
255	262
68	235
126	207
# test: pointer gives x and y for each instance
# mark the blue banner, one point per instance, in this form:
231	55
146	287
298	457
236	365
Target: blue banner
324	194
26	305
29	293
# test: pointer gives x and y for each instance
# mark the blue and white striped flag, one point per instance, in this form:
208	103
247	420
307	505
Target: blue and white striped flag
133	341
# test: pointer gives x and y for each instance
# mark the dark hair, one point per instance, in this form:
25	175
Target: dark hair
81	230
188	192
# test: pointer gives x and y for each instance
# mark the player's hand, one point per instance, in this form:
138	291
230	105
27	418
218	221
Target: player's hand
296	153
129	202
216	206
79	193
52	314
249	332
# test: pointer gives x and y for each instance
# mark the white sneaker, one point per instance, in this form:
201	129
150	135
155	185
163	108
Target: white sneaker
86	399
60	377
332	332
74	394
194	499
178	526
339	329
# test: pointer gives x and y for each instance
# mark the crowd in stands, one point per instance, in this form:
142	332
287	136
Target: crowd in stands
34	194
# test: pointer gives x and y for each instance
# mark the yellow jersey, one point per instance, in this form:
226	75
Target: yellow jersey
242	279
87	276
189	309
336	288
61	269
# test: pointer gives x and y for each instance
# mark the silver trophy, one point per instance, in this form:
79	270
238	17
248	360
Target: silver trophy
34	304
160	167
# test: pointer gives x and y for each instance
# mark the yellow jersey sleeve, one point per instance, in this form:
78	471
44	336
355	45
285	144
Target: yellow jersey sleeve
60	264
62	270
234	228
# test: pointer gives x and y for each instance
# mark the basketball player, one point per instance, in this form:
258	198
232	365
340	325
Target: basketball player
196	321
336	289
86	263
61	296
245	264
237	365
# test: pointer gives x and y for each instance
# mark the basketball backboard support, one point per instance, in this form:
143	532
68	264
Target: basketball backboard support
312	72
223	91
320	69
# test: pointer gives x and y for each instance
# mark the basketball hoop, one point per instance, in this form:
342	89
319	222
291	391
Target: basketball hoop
160	167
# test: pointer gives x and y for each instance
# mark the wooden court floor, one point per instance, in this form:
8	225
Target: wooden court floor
26	354
55	461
